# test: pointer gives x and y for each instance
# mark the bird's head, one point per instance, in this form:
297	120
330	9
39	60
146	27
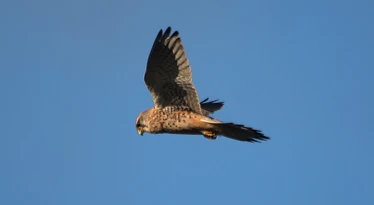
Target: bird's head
141	123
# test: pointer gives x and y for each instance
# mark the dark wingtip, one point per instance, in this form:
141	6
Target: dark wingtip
162	36
176	33
166	34
206	99
167	31
212	105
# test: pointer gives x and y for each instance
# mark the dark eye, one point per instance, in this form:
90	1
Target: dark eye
138	124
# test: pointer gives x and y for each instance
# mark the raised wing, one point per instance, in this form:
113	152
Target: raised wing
168	74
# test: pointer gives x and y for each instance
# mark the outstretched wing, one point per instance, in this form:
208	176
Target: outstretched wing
168	75
210	107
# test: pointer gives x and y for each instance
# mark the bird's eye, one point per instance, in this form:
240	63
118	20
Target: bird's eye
138	124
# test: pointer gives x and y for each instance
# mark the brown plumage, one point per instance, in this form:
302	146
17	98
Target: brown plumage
177	109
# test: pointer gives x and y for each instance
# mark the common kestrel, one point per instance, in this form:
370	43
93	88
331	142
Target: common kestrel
176	105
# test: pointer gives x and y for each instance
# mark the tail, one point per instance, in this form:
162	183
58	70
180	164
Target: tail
240	132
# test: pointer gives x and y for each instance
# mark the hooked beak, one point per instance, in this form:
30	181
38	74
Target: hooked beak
140	131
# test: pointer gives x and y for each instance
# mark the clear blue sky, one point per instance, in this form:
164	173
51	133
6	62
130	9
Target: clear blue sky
71	85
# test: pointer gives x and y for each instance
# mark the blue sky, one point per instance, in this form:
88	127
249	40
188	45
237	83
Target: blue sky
71	85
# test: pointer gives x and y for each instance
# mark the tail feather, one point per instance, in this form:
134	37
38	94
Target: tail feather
240	132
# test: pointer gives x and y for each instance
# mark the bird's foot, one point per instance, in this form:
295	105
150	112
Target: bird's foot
209	135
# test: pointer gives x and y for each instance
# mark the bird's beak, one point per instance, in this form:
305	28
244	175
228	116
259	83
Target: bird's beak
140	131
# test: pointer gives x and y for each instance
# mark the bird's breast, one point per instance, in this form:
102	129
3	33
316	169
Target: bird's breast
181	122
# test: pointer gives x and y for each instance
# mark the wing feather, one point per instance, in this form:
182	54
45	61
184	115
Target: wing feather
209	107
168	75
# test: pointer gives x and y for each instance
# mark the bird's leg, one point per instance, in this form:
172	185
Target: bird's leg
209	134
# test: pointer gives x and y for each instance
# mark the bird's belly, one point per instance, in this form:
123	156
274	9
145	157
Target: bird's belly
180	130
175	127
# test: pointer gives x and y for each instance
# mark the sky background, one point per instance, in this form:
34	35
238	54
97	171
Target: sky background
71	86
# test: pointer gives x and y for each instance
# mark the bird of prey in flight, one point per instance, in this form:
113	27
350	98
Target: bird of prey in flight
177	109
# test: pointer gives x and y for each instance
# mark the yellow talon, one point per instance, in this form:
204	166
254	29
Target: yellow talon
209	135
